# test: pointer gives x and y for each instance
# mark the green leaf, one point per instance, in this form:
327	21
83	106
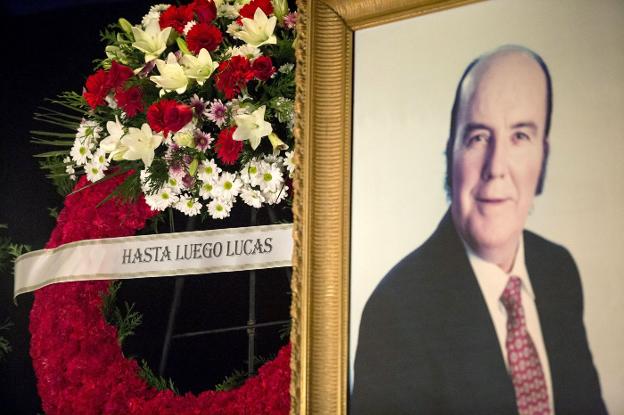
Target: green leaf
157	382
51	154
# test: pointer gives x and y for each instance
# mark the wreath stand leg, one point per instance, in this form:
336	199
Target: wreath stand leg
175	304
251	319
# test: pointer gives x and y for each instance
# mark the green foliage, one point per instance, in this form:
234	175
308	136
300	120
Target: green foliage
236	379
9	251
284	331
157	382
53	212
5	347
55	168
126	320
158	173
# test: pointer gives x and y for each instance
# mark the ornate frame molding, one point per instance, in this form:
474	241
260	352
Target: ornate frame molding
322	211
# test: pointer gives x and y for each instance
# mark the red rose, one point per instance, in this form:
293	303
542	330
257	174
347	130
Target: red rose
176	17
228	149
168	115
203	35
205	10
249	10
263	68
130	100
118	74
96	88
233	75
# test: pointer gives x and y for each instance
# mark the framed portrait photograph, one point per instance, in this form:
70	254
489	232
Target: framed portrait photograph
459	213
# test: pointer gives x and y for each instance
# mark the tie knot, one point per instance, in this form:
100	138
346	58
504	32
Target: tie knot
511	295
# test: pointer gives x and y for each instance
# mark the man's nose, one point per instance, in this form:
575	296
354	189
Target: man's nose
496	161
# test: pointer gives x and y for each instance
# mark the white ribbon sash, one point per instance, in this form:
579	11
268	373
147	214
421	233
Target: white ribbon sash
160	255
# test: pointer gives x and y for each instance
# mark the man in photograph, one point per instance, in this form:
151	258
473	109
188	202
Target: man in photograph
484	317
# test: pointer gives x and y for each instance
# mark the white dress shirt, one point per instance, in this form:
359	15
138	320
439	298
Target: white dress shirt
492	281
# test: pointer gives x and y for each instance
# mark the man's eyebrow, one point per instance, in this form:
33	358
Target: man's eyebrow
471	126
525	124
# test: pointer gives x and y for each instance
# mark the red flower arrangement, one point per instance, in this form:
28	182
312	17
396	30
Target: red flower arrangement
168	115
249	9
233	75
204	36
79	364
228	149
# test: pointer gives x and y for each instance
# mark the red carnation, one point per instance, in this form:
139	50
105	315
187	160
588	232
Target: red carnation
118	74
176	17
205	10
249	10
233	75
168	115
228	149
96	88
263	68
203	35
130	100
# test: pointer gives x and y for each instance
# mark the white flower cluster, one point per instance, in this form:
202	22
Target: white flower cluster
82	154
261	181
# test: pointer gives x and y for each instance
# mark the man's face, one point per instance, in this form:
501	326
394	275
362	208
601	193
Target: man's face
498	151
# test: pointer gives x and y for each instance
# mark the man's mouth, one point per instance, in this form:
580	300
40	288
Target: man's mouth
492	200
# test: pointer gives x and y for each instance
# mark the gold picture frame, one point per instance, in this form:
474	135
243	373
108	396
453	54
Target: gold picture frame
328	181
320	287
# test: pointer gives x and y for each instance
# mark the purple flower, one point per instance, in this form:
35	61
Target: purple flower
202	140
188	181
290	20
217	112
198	104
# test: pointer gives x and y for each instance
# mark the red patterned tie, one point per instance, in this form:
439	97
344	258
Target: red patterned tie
524	364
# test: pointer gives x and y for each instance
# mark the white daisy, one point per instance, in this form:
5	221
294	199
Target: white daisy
88	129
208	171
154	14
162	199
250	174
188	205
229	11
99	159
288	162
271	177
228	186
252	197
248	51
175	184
94	172
275	197
80	151
218	209
233	28
207	190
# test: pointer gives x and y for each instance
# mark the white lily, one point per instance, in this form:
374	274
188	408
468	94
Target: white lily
199	68
259	30
115	132
141	144
252	127
152	41
172	77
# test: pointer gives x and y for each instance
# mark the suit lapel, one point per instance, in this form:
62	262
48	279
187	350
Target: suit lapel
473	343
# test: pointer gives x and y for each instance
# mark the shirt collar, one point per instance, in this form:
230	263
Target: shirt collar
492	279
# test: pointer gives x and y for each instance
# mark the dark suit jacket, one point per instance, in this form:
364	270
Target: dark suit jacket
427	344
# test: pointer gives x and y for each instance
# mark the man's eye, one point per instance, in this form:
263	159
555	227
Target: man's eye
477	139
521	136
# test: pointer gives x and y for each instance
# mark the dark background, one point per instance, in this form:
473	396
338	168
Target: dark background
48	47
